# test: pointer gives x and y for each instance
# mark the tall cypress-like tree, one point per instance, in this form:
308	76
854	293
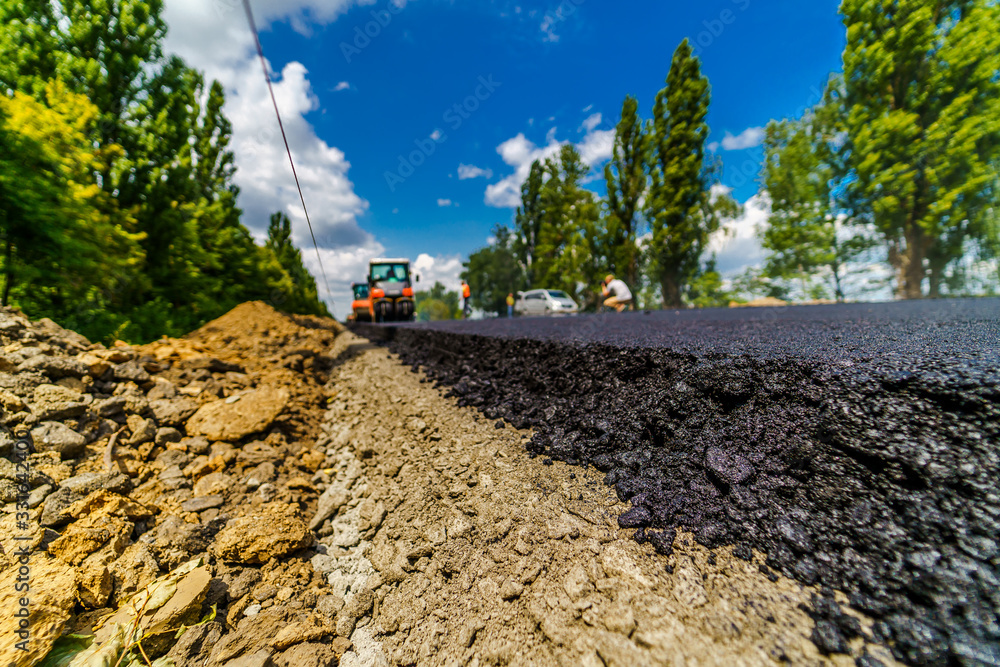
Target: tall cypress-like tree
678	203
626	179
528	221
923	120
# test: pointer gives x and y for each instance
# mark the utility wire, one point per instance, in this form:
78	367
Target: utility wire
270	88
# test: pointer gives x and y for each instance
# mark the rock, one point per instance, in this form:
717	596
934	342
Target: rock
37	497
110	406
173	540
161	390
261	658
10	471
53	367
193	647
56	335
213	484
635	518
131	371
729	467
143	430
52	402
794	535
271	532
166	435
55	509
96	367
52	602
93	582
11	402
262	474
329	504
201	504
196	446
253	412
57	437
309	654
172	411
132	571
173	478
89	534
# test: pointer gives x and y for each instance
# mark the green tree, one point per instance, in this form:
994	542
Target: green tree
64	240
528	221
626	179
706	289
680	206
493	272
437	304
569	220
295	289
923	121
812	226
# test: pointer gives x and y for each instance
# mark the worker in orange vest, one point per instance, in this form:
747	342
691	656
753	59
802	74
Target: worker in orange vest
466	294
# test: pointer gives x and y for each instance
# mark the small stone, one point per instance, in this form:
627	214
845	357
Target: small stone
57	437
143	430
511	590
166	435
131	371
252	610
172	411
201	504
54	367
271	532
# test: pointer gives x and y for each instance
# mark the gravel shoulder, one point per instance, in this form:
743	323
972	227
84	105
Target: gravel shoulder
487	555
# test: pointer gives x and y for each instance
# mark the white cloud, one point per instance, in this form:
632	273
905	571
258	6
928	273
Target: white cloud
445	269
444	202
713	146
466	171
436	134
343	85
591	122
736	244
748	138
214	37
520	152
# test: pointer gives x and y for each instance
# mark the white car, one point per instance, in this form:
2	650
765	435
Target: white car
545	302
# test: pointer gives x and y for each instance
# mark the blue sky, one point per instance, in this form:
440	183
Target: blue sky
526	76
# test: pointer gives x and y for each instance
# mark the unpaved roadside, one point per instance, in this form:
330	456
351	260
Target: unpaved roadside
484	556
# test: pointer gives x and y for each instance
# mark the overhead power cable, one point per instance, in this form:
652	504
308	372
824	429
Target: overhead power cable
270	88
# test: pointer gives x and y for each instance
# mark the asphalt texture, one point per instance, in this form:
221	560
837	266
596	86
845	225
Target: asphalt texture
857	445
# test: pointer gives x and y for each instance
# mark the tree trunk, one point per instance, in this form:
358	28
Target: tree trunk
671	289
913	263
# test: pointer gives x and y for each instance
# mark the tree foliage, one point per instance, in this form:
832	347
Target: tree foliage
126	174
681	208
923	122
494	272
626	179
813	227
437	303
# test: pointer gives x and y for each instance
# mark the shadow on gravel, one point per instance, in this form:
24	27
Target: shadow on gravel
878	479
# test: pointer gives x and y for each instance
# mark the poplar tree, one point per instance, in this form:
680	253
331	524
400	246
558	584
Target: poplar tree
923	120
528	220
679	206
626	179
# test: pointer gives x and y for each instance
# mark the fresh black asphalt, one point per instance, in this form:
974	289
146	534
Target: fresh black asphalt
857	446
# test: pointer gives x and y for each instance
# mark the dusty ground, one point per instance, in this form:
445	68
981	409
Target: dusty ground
487	556
305	499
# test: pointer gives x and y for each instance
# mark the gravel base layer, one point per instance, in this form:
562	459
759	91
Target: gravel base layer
854	445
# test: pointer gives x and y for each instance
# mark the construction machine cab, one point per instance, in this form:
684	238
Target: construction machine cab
391	290
361	307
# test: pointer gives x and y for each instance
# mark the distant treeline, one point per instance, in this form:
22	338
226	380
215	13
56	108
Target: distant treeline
117	204
898	166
